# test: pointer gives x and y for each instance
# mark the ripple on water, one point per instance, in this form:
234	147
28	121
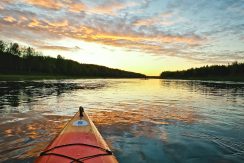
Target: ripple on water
26	138
142	120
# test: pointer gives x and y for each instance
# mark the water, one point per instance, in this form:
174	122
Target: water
141	120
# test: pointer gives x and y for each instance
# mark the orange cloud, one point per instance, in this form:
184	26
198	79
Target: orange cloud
9	19
23	18
120	24
51	26
161	19
57	24
154	42
111	8
143	38
77	7
59	48
148	22
34	23
50	4
142	42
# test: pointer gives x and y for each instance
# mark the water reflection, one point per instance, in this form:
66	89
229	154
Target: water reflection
14	93
142	120
153	114
208	87
25	138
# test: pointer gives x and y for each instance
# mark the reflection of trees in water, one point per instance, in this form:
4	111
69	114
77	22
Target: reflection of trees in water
13	93
229	89
9	95
13	100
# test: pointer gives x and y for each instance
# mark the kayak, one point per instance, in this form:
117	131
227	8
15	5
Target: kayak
78	142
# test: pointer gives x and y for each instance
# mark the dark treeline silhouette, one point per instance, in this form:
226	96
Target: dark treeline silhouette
15	59
233	71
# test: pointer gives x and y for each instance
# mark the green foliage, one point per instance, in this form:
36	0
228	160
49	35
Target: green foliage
233	71
14	49
2	46
21	60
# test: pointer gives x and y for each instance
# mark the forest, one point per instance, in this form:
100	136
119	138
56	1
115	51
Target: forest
234	72
16	59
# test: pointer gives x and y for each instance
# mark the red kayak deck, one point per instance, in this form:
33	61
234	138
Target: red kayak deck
79	141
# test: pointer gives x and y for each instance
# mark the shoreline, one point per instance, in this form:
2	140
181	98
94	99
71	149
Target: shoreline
19	77
235	79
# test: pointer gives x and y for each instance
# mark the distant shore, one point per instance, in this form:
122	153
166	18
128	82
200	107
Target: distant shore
9	77
234	79
18	77
16	60
230	72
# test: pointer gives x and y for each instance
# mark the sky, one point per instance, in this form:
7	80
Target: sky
145	36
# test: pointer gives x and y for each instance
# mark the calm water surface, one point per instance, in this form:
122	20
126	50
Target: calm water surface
142	120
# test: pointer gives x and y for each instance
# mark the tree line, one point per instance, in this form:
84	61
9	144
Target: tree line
16	59
230	71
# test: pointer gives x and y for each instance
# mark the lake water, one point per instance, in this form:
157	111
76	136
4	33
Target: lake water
142	120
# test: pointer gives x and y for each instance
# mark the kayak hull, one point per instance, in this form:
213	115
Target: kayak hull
80	141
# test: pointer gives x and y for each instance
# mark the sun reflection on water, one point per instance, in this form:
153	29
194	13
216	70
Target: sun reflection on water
138	118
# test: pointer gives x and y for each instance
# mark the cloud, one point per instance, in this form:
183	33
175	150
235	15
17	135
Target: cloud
55	29
34	23
77	7
111	7
163	19
145	39
9	19
172	29
49	4
58	24
59	48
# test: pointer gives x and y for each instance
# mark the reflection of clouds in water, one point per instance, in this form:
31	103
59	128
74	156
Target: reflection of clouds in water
152	114
12	120
144	120
28	137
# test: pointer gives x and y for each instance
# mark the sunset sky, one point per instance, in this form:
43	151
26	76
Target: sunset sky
146	36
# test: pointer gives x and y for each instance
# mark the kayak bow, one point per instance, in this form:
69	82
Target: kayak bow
79	141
